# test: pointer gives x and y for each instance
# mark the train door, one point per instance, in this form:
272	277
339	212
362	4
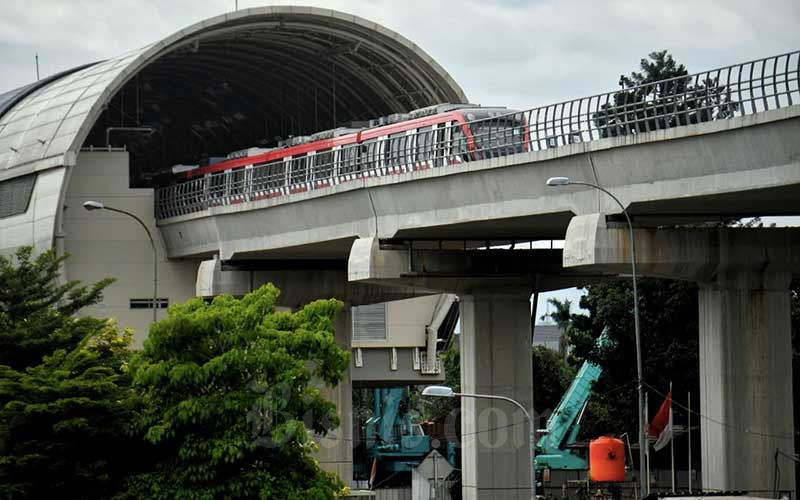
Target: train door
409	147
397	152
349	162
371	157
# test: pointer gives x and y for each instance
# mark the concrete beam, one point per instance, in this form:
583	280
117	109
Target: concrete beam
462	271
701	255
297	286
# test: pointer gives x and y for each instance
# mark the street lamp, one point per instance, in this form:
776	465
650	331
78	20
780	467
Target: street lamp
96	205
447	392
566	181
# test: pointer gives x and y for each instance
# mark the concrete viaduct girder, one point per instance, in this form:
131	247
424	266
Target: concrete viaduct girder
743	166
463	271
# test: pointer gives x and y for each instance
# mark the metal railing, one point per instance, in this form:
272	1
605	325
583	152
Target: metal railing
737	90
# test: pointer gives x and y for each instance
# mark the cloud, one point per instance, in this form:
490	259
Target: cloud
512	52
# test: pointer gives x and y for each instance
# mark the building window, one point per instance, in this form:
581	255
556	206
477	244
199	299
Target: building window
369	322
148	303
15	195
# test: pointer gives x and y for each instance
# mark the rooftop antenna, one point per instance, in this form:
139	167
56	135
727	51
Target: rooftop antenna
236	3
37	66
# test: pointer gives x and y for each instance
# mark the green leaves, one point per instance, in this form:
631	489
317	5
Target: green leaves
65	396
229	401
35	309
219	404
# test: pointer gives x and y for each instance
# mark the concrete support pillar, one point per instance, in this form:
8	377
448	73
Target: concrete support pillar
336	449
495	359
746	381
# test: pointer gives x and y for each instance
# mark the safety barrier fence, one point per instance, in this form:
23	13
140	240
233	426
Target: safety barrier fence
741	89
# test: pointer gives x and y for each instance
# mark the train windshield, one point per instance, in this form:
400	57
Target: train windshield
501	136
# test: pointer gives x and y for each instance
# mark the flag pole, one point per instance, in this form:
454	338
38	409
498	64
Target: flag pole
672	443
689	425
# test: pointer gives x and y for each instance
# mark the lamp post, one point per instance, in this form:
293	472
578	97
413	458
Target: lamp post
447	392
566	181
96	205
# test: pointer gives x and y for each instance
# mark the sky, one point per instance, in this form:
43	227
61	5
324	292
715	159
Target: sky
514	53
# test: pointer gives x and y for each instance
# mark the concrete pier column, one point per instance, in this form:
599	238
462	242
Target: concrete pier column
495	359
746	381
336	449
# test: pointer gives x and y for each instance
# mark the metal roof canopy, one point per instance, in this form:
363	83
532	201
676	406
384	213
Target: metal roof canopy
229	82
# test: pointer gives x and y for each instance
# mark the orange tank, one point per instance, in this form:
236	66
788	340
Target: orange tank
607	460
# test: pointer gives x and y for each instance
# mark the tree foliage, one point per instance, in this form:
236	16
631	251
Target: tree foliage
661	96
65	395
36	308
230	390
669	329
551	378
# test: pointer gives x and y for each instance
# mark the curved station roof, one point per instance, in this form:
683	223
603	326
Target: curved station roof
242	79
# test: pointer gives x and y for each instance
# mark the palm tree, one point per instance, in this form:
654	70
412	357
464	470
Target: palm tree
562	317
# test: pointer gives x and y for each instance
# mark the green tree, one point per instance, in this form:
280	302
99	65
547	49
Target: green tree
669	326
65	394
661	96
551	378
36	309
230	392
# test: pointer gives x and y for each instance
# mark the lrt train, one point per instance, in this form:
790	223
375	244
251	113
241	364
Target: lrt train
441	135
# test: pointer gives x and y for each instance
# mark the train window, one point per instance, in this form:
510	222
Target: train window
499	137
237	181
269	175
216	185
440	143
323	164
425	144
459	142
298	172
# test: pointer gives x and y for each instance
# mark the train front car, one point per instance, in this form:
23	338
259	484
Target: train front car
496	132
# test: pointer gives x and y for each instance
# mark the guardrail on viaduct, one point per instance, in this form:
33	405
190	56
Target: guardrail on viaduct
741	89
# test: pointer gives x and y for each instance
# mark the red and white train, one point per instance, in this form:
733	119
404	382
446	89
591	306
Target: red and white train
440	135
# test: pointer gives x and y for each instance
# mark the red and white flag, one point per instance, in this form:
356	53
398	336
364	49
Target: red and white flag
661	426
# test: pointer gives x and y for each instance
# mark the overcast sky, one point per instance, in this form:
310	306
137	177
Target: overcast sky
513	53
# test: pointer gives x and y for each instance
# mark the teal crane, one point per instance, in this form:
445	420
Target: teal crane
561	430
